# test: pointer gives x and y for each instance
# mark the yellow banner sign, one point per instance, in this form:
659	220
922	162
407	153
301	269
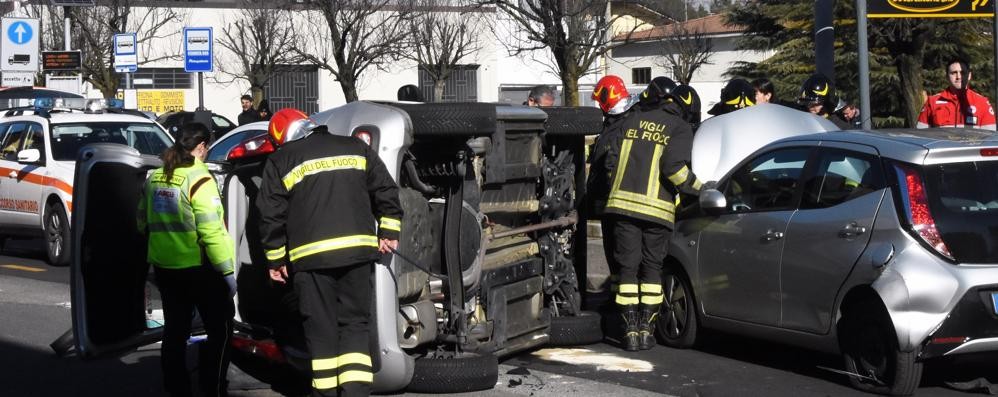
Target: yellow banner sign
930	8
160	101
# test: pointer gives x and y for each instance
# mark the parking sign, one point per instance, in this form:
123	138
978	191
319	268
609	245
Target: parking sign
198	50
19	48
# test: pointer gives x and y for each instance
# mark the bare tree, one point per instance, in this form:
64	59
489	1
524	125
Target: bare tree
95	27
257	44
347	37
578	33
441	38
685	49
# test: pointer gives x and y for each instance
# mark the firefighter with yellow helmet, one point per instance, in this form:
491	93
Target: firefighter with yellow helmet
649	169
329	209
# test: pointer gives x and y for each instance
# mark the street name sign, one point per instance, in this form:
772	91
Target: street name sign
930	8
19	47
198	50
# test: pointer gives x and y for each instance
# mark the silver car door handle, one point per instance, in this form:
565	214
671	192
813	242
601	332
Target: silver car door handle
772	235
851	230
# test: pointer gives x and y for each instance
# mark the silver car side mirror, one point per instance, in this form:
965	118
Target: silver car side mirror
712	201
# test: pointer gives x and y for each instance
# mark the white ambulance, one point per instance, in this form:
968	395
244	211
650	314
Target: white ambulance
38	154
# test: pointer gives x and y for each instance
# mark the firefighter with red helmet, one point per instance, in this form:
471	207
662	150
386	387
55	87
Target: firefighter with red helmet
649	171
611	95
329	209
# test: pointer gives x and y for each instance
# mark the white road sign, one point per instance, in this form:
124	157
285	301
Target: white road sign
18	79
19	47
126	59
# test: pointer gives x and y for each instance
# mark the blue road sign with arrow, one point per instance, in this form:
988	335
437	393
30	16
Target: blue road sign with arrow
19	47
19	32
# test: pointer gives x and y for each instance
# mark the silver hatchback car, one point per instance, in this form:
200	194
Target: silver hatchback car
881	246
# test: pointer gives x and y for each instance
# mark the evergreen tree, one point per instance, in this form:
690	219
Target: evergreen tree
906	55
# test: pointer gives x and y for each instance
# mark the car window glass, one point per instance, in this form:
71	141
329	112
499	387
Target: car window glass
12	142
35	139
3	136
220	151
220	122
67	139
767	182
841	176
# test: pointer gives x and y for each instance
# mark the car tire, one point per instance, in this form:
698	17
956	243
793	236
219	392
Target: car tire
57	235
870	348
465	119
677	323
467	373
582	329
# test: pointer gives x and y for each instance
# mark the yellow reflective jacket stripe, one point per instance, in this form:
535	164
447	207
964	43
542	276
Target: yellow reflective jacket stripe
333	244
680	176
276	254
390	224
323	164
616	202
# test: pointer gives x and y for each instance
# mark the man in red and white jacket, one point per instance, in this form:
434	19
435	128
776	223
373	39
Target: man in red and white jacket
957	105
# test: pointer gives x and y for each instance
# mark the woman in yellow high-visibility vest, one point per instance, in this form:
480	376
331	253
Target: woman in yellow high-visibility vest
193	259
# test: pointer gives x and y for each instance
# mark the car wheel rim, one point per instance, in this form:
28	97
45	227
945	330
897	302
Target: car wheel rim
55	235
872	355
674	309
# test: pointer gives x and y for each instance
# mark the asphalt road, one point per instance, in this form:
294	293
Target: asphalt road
34	311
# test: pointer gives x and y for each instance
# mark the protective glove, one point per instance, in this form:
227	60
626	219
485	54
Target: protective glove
230	280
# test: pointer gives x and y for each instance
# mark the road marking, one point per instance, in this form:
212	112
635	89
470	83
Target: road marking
602	361
24	268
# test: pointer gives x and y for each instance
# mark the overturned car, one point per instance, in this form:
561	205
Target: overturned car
489	261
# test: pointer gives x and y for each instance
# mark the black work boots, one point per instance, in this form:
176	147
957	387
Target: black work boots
632	340
646	326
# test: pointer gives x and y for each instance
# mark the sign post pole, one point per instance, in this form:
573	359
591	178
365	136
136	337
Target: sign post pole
201	91
865	113
198	56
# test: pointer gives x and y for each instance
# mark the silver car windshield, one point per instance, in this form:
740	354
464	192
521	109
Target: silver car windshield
67	139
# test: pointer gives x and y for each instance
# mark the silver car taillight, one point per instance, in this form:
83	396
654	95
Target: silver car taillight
916	208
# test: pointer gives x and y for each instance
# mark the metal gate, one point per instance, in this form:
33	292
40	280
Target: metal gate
295	86
461	86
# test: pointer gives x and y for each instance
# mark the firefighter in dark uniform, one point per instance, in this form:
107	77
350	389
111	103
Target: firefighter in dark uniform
689	101
320	200
649	169
817	96
613	99
737	94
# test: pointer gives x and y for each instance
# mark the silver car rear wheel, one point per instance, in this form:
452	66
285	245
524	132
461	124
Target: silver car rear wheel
870	351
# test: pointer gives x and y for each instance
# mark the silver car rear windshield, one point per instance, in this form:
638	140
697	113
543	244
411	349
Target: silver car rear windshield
67	139
963	198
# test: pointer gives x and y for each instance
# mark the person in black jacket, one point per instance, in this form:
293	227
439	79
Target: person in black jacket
611	95
320	199
249	114
649	168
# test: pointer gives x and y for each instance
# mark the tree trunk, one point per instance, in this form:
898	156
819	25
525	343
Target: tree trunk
109	84
349	86
257	93
909	68
570	88
438	90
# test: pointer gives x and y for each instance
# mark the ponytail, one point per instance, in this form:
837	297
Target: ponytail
179	155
